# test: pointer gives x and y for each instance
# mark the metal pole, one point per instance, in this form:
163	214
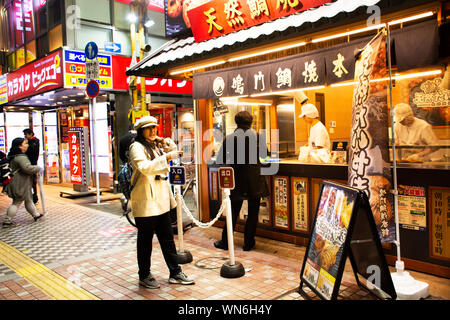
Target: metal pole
394	158
226	193
94	140
180	219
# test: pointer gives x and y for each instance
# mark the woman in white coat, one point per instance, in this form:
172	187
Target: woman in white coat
152	199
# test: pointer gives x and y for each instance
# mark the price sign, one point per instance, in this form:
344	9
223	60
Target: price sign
226	178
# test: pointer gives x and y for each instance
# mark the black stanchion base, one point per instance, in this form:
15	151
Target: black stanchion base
232	271
184	257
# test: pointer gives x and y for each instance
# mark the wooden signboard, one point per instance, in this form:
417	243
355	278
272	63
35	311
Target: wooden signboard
440	222
344	226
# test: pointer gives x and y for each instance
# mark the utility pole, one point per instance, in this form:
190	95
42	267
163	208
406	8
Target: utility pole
138	13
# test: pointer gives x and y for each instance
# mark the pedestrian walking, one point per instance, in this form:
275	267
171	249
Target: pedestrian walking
124	145
250	185
33	155
20	187
152	199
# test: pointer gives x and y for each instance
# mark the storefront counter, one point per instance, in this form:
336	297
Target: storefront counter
289	211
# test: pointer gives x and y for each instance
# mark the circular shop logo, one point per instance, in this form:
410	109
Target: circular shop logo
218	86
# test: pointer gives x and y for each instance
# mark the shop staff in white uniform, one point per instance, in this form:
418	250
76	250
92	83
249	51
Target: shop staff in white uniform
410	130
318	148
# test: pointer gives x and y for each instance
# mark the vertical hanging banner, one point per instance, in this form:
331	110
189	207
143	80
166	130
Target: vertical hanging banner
369	167
79	165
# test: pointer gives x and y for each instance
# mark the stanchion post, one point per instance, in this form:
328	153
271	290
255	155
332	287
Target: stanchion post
232	269
41	191
184	256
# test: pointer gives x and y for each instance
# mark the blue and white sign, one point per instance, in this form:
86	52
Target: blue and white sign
177	176
79	57
113	47
91	50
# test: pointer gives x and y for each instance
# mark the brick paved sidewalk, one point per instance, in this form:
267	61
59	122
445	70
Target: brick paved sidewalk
105	263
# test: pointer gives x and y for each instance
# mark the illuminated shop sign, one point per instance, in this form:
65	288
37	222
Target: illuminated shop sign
75	74
37	77
218	17
23	20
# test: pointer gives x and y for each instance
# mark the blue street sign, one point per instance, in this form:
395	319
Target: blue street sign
92	89
91	50
113	47
177	176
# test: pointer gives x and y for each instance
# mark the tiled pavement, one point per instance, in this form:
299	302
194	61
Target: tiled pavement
75	241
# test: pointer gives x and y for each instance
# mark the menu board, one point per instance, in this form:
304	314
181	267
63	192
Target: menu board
440	222
412	207
280	194
324	256
299	187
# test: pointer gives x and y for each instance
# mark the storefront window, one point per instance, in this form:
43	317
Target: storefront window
15	122
40	8
123	37
51	147
88	33
31	51
20	57
121	12
54	13
223	118
96	11
55	38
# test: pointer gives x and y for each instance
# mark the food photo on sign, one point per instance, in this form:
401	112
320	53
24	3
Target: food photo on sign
328	238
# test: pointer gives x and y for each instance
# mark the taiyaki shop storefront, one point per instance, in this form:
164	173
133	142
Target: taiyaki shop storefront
340	66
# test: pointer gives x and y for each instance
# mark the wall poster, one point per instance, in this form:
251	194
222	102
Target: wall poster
440	222
412	207
300	205
281	207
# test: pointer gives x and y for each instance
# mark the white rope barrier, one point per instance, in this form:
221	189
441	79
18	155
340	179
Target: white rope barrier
199	223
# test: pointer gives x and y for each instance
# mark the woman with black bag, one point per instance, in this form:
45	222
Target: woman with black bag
20	187
152	200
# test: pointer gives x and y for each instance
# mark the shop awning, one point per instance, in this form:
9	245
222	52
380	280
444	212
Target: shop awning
178	52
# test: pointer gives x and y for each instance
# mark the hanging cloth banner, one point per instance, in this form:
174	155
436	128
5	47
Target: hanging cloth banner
369	166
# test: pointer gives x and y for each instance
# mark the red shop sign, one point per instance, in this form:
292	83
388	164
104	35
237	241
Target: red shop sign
120	65
218	17
75	157
43	75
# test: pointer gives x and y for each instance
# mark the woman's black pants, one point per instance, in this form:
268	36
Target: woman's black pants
161	225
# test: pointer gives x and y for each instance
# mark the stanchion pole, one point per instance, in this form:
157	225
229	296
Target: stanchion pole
41	191
232	269
184	256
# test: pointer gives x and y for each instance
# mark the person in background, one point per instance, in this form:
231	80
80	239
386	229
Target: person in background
250	185
33	155
318	149
152	200
410	130
20	187
124	145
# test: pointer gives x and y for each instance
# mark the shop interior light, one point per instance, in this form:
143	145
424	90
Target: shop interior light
286	91
295	45
412	18
375	27
242	103
80	94
349	33
72	100
395	77
199	67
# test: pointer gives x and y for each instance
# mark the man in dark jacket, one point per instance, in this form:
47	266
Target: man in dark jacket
33	156
241	151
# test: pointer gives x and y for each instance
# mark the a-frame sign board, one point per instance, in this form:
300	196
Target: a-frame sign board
344	227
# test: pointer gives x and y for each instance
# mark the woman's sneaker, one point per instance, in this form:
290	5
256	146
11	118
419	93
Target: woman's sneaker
181	278
149	283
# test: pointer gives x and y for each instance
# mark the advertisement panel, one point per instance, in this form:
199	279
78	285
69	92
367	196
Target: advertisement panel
328	237
75	157
412	207
40	76
300	204
3	90
369	167
75	72
280	193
